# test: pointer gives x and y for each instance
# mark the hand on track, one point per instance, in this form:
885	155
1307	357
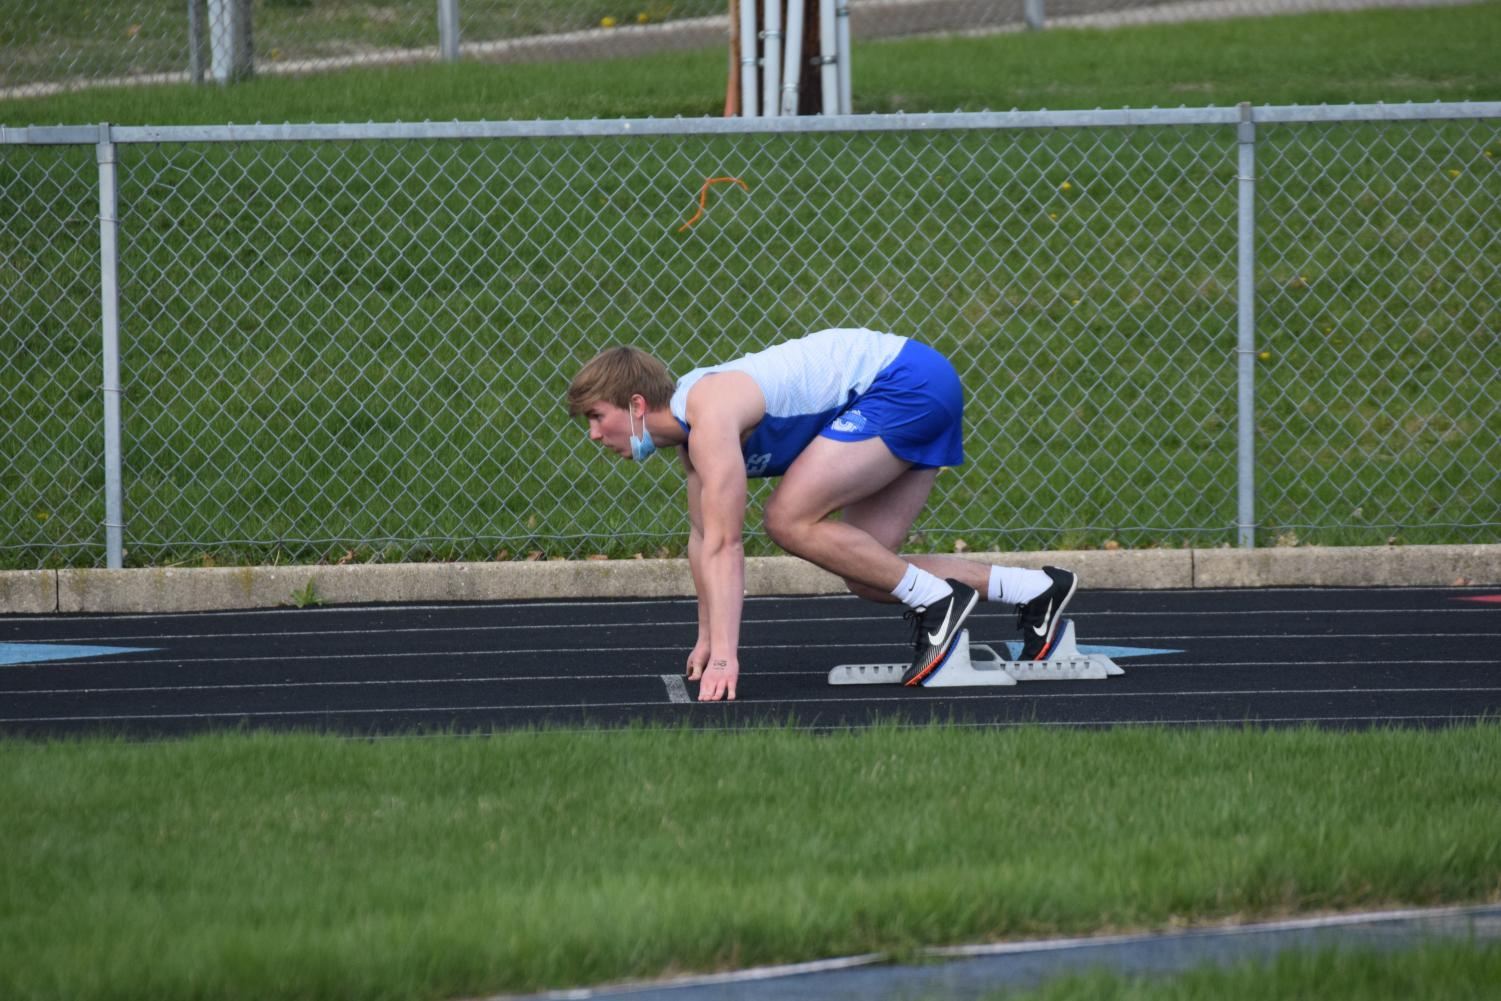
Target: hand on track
718	681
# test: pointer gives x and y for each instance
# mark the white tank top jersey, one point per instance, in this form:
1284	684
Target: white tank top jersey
806	382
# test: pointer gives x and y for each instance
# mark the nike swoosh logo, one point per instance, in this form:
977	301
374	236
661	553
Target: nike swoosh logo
937	634
1042	630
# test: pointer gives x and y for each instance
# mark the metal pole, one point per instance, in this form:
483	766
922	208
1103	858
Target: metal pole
195	40
748	58
771	63
792	64
245	47
448	30
1246	321
219	45
828	59
842	16
231	52
1032	10
109	286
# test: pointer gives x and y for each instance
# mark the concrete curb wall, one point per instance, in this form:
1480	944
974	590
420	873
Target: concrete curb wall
28	591
161	589
1412	566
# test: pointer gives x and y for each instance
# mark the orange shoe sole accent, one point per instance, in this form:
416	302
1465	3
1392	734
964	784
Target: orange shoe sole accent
922	675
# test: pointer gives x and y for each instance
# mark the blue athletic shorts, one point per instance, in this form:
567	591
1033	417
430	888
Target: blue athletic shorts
915	405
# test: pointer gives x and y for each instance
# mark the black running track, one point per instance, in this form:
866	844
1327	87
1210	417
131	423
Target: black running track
1330	657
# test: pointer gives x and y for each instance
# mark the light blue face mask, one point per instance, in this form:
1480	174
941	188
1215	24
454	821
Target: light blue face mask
643	446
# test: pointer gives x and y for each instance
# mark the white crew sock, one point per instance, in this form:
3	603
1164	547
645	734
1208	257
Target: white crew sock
919	589
1016	586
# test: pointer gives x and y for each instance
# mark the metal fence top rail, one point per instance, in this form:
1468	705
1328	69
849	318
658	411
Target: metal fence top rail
35	135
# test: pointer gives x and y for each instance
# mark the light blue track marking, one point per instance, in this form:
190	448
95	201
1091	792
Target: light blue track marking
12	654
1113	652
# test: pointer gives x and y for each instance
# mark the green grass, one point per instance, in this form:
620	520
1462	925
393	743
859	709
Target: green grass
1377	55
358	350
269	866
1455	971
67	40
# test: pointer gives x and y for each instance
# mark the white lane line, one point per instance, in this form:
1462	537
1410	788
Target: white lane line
465	606
198	660
703	725
1294	924
848	703
677	689
1185	721
477	607
1024	947
488	607
1173	662
279	713
806	620
286	713
752	975
414	630
675	683
1208	637
252	686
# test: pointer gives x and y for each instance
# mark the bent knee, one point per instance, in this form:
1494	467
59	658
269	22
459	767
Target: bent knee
785	528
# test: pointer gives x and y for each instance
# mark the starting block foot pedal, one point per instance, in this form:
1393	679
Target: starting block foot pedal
967	665
1065	663
976	665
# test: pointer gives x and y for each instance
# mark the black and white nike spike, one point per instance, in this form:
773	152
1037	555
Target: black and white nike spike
1038	619
934	630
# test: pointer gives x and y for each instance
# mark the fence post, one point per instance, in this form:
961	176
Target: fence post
792	61
231	52
109	290
771	59
828	59
1245	297
750	90
1032	10
448	30
195	40
842	33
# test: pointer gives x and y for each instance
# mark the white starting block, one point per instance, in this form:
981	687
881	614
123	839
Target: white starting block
974	665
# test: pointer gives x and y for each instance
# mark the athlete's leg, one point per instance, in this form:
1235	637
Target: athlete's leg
887	516
831	475
881	497
827	476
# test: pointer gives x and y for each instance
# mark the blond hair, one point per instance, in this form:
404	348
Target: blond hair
615	375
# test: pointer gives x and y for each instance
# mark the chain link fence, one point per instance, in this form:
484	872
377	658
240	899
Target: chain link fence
52	45
351	342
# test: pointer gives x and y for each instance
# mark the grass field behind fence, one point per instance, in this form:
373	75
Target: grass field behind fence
1393	55
358	350
65	40
277	866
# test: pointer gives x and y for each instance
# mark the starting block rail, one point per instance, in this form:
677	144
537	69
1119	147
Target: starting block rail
974	665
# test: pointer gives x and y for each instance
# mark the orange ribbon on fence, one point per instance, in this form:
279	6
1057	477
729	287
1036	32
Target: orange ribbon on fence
703	197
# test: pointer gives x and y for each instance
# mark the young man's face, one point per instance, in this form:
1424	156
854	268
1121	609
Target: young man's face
611	426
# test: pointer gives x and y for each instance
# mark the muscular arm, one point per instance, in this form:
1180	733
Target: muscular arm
699	658
720	408
721	554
